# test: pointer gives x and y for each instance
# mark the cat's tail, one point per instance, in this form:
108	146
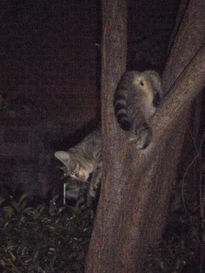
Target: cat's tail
120	102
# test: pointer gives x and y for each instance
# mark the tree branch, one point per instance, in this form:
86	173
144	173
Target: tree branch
186	87
136	185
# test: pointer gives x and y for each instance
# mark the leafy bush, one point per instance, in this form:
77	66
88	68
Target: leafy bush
44	238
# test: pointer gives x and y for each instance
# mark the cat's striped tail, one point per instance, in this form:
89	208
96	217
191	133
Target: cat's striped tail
120	102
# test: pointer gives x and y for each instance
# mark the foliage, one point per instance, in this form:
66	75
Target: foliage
180	249
44	238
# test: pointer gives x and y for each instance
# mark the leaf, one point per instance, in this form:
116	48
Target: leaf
9	211
12	256
22	198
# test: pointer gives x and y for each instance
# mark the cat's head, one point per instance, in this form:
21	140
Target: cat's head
156	86
75	166
149	82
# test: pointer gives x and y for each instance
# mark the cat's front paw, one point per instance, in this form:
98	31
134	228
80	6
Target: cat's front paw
142	136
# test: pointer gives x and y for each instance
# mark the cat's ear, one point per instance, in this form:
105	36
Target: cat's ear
64	157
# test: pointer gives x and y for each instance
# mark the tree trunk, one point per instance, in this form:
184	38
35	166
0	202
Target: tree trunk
136	185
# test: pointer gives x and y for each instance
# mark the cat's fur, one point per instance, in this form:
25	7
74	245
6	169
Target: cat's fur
83	160
135	101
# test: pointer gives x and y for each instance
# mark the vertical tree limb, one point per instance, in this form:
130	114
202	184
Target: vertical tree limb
114	50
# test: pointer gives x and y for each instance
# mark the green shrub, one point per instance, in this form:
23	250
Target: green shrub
47	239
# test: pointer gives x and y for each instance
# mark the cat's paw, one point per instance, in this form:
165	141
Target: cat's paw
142	137
81	204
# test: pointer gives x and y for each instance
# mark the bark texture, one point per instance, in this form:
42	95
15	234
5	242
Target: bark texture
136	185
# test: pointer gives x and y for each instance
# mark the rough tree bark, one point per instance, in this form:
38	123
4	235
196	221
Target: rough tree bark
136	185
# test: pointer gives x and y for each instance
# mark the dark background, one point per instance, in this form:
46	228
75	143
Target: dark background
50	77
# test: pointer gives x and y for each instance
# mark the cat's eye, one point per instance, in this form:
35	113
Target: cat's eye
141	83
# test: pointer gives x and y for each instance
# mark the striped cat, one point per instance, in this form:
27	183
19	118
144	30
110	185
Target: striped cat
83	161
135	101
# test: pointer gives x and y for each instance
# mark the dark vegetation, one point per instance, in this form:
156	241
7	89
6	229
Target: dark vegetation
43	238
55	238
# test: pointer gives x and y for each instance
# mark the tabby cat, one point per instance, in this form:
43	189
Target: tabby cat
83	161
135	101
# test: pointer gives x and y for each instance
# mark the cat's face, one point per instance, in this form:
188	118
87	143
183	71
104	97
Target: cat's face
149	82
74	166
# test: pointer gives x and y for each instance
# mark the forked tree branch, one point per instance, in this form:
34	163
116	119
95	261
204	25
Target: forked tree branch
136	185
